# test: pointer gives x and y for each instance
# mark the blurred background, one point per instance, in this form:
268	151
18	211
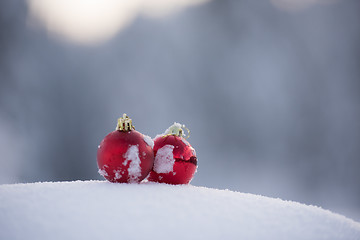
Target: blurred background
270	90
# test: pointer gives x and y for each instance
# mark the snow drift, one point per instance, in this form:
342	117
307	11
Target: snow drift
103	210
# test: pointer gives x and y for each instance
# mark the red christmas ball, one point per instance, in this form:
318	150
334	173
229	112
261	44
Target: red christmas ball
175	159
125	155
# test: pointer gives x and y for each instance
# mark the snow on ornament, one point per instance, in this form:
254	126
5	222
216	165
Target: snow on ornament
125	155
175	159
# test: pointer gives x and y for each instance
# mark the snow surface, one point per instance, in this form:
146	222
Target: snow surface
103	210
134	170
164	159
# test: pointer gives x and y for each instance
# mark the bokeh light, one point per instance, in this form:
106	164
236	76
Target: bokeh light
94	21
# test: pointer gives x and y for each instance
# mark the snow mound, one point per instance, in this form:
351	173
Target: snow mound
103	210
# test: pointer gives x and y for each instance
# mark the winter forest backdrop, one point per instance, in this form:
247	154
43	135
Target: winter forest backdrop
270	90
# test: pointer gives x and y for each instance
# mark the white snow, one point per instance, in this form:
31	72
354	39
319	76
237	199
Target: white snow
103	210
134	169
164	159
169	130
193	151
102	172
177	125
117	174
149	141
186	142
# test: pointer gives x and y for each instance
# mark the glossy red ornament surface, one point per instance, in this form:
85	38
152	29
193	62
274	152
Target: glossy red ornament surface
124	156
185	161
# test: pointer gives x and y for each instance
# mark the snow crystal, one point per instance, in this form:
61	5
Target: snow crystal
186	142
159	135
102	172
168	131
193	151
149	141
132	156
171	130
117	174
164	160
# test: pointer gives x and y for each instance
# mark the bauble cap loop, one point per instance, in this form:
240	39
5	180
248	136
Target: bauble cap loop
125	124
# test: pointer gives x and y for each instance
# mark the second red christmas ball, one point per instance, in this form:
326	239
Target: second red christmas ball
175	159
